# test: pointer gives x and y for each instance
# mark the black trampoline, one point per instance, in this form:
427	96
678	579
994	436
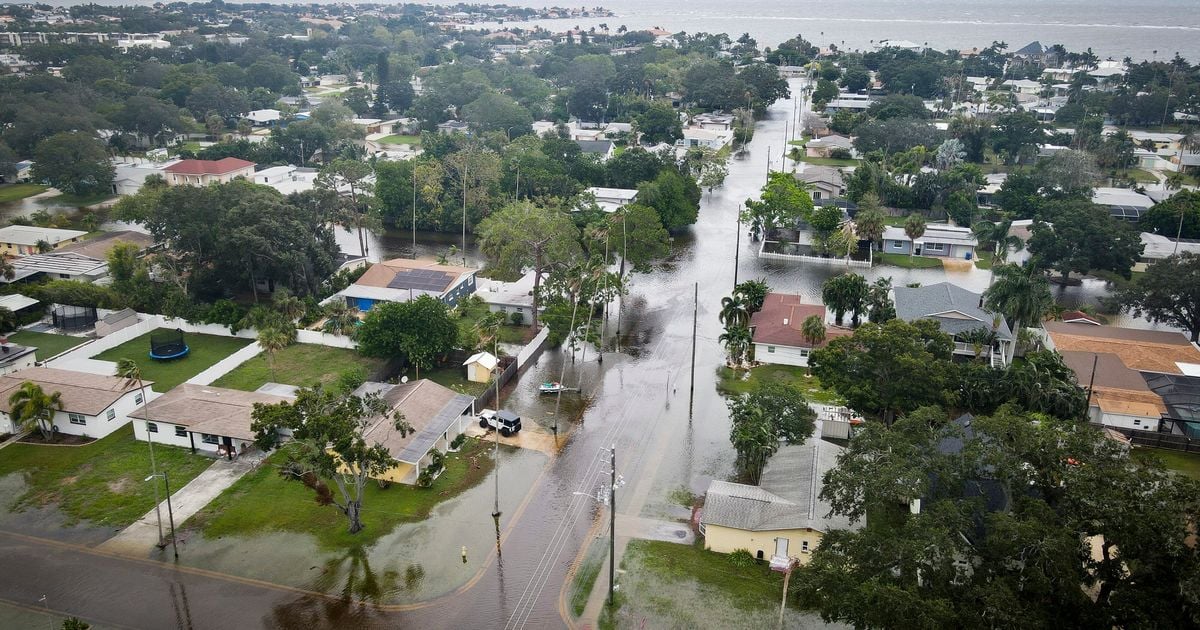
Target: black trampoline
71	318
167	344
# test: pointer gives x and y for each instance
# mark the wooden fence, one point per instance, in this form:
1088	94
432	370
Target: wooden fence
1166	441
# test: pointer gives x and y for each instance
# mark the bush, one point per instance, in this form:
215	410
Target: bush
742	559
841	154
224	312
458	441
425	479
517	319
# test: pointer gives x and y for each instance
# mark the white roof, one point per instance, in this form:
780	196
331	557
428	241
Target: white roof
486	359
1105	196
30	235
264	115
626	194
500	293
1158	246
15	301
934	233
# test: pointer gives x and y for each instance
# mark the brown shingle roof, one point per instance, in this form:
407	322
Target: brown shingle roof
381	274
419	401
207	409
88	394
1144	350
208	167
99	247
780	320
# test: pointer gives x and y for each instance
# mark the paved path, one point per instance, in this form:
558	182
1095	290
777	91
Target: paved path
14	438
141	537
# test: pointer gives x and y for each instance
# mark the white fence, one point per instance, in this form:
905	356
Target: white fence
226	365
533	347
832	262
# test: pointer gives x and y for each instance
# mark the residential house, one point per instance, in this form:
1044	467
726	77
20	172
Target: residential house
1117	399
783	518
57	266
24	170
510	298
287	179
603	149
941	240
714	121
824	182
451	127
1122	203
1078	317
702	137
264	117
116	320
404	279
19	304
205	172
853	103
14	357
21	240
130	173
1181	396
1156	247
98	247
958	312
824	147
777	333
213	420
1023	87
93	405
436	414
612	199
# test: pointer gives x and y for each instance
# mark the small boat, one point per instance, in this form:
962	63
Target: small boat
551	387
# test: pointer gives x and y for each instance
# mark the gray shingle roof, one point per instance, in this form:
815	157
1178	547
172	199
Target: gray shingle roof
955	309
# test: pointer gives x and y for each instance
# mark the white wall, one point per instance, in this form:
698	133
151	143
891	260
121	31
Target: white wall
783	355
166	435
20	364
96	426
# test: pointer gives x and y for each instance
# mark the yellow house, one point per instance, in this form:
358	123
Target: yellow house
782	517
436	414
22	240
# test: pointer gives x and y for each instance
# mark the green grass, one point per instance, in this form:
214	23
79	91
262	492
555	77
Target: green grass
1186	464
399	138
14	192
908	262
47	344
798	143
205	350
300	364
983	260
471	311
102	482
239	510
585	576
1139	175
730	381
452	376
828	161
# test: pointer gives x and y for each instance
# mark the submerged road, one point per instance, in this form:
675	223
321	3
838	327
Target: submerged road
639	403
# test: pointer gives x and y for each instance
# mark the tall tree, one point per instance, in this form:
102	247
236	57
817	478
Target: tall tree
354	183
1085	237
772	413
845	293
75	163
1168	293
418	331
525	235
329	443
870	221
914	228
1019	293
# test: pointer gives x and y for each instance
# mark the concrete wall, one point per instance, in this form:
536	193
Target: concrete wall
728	539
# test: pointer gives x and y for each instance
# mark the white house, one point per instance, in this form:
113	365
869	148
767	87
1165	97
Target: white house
1156	247
201	418
58	266
264	117
508	297
701	137
15	357
287	179
944	241
778	334
612	199
205	172
1122	203
93	405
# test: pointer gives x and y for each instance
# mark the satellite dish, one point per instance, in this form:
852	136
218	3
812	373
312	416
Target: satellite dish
403	379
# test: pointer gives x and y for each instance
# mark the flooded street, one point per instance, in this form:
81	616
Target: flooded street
637	401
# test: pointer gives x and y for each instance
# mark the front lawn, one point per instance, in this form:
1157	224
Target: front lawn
14	192
586	574
263	501
47	344
204	351
983	260
399	138
735	382
452	376
1139	175
471	311
1186	464
300	364
908	262
101	482
686	586
80	200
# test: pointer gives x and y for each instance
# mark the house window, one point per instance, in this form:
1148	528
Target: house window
935	247
137	399
112	414
208	439
803	546
180	431
76	418
804	352
152	427
897	244
771	349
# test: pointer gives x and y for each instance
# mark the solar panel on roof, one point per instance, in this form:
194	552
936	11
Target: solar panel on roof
421	280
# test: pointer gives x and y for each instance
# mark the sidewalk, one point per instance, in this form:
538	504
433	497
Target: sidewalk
142	536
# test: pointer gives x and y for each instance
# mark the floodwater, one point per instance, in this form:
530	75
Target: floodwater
29	205
664	417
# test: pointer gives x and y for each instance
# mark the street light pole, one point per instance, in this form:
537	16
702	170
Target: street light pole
170	511
737	246
612	523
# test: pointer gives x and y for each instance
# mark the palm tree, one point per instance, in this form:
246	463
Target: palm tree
995	237
31	407
6	269
845	293
340	318
128	369
795	154
734	311
737	340
272	339
1021	294
979	338
870	222
288	305
914	228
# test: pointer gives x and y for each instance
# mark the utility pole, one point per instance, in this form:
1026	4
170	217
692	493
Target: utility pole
768	161
414	221
496	455
1091	382
170	512
783	166
737	245
612	523
464	220
695	316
